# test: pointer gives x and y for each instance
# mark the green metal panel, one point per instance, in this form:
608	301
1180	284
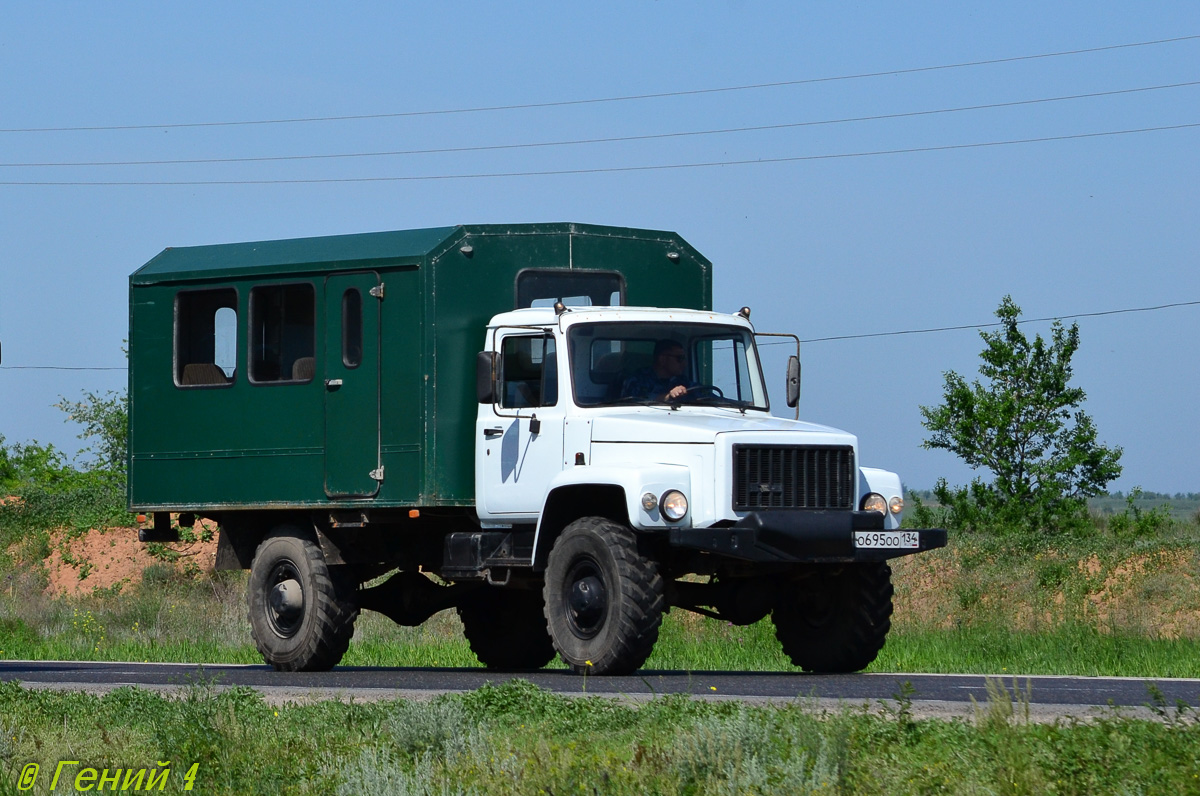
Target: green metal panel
652	277
235	444
465	294
352	336
403	386
246	444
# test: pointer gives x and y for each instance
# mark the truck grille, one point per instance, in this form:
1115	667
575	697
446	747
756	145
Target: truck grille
792	477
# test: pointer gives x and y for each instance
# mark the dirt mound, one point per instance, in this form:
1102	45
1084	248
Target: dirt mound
924	590
113	559
1154	593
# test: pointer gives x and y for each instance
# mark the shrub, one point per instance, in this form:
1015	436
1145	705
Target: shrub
1136	523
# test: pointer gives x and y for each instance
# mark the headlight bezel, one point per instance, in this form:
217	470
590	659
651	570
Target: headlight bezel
873	501
673	505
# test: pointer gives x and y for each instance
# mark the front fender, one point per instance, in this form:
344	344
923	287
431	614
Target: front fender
634	482
885	483
607	491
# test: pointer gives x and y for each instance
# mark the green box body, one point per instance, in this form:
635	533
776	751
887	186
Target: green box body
409	406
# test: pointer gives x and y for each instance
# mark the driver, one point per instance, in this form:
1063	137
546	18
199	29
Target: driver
665	379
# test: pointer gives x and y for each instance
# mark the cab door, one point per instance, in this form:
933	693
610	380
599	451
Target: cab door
519	443
351	361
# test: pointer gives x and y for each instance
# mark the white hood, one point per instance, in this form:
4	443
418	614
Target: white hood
664	425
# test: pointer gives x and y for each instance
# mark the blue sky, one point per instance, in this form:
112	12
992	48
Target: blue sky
819	247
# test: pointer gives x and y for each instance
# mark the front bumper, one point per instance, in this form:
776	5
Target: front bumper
800	536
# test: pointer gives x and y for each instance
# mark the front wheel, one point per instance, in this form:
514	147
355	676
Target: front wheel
302	612
835	620
604	599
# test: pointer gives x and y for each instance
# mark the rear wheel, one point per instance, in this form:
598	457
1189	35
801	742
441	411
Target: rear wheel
604	599
506	628
302	611
835	620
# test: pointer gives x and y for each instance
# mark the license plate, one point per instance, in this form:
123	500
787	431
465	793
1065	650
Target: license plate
887	539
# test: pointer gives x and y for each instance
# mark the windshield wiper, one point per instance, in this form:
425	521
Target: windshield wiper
632	400
717	400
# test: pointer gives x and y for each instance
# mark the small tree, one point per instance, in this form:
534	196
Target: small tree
1023	424
105	421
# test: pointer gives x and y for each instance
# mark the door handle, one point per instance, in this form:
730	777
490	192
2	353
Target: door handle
493	432
332	384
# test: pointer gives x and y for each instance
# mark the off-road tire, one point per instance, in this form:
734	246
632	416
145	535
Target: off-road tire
314	637
835	620
506	628
604	599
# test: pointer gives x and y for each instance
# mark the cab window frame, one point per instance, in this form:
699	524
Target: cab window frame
501	403
526	280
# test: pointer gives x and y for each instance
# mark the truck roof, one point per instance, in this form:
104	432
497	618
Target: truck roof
354	252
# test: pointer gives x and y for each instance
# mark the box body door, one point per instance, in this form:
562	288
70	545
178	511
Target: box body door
351	364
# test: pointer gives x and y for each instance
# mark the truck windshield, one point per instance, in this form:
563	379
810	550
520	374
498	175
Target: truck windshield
623	363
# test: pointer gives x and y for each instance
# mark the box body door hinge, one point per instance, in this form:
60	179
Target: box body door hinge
377	291
376	474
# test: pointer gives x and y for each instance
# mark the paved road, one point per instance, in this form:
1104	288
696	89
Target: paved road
955	691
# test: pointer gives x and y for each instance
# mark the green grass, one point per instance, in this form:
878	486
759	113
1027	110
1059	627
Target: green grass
517	739
1071	649
686	643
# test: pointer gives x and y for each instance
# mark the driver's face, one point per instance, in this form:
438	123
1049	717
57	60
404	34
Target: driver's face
674	361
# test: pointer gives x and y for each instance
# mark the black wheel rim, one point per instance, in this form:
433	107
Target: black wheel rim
585	597
816	609
818	605
285	599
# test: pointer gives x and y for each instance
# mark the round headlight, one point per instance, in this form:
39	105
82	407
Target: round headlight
649	501
896	505
673	505
873	501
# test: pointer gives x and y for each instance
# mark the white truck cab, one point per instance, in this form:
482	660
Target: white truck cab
632	446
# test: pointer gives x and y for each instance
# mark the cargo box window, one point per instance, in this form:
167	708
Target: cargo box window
352	328
205	337
282	333
542	287
528	372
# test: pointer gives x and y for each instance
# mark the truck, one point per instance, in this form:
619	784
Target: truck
544	427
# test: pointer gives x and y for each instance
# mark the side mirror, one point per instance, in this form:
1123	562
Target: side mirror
793	380
485	377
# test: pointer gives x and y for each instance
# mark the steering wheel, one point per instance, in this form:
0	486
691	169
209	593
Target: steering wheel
703	390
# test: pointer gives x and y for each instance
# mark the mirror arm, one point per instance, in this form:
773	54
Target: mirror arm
789	382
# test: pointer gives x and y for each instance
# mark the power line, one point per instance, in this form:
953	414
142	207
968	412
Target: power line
607	140
827	339
53	367
597	100
991	325
600	170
